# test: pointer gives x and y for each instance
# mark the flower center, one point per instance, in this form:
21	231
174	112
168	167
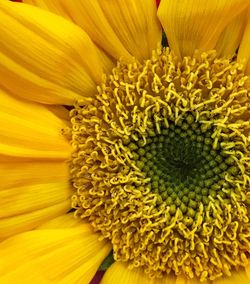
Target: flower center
160	164
182	166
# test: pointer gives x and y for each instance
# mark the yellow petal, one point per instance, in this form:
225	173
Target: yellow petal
24	222
90	17
135	23
197	24
121	28
108	62
53	5
32	193
19	172
30	130
248	270
65	221
168	279
34	175
231	37
236	277
62	255
119	273
49	59
31	197
181	279
244	52
61	112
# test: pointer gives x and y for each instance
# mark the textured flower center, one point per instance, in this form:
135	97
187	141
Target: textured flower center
160	164
182	165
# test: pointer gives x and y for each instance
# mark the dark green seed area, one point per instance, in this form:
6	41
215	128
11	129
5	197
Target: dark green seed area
183	166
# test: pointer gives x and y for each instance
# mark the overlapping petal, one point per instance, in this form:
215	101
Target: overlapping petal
197	24
29	130
244	51
119	273
34	174
123	28
64	254
231	37
135	23
50	58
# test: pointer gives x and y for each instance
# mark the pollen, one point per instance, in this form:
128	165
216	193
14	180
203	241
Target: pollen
160	164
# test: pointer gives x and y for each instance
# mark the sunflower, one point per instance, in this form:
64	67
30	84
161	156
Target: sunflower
123	149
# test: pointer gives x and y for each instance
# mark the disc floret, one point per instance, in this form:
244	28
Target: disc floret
161	164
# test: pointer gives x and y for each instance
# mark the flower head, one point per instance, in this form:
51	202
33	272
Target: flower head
152	150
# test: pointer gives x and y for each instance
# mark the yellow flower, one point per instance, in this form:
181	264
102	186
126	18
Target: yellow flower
113	146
